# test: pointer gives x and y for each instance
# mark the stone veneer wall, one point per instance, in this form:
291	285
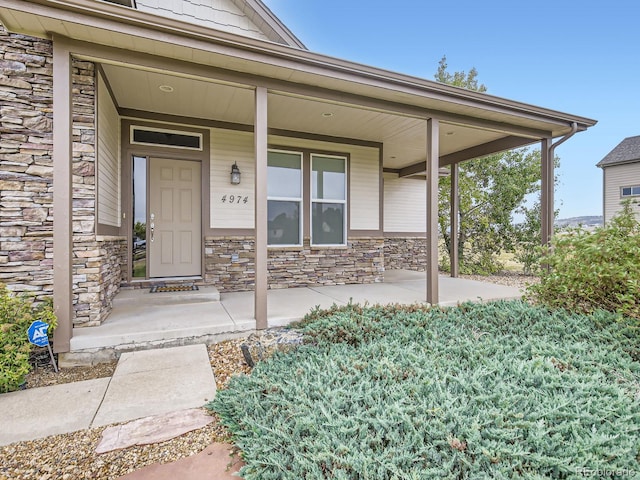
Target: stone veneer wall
405	253
26	165
97	262
361	262
26	181
99	268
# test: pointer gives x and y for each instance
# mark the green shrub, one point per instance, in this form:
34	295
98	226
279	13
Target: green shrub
591	271
16	314
502	390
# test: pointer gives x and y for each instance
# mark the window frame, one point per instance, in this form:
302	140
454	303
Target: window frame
632	188
343	202
134	127
300	200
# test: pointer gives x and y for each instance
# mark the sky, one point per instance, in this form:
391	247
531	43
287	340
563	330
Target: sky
575	56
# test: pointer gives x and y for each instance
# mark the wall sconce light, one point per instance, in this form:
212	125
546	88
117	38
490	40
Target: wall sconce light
235	174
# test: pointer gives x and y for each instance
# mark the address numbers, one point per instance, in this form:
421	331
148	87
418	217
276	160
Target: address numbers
234	199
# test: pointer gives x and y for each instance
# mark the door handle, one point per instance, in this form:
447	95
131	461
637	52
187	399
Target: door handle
151	227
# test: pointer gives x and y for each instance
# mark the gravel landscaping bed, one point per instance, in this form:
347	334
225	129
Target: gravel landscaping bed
72	456
510	279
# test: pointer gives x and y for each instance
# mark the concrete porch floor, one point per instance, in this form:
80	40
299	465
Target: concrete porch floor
140	320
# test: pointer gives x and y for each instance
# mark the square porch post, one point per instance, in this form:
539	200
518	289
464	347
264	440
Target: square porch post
546	197
260	141
453	234
433	147
62	196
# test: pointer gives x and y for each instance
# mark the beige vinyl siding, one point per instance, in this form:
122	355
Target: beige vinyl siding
405	205
364	177
108	162
616	177
219	14
365	189
227	147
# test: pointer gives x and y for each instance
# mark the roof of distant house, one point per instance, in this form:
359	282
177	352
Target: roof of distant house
627	151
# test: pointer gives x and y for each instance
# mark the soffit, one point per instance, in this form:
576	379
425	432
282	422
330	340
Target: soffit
404	137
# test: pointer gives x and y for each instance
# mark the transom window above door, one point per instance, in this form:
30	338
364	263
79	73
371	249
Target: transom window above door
322	195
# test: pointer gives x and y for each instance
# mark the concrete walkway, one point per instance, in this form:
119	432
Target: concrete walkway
145	383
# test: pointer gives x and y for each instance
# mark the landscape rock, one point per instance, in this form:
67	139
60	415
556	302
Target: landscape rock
154	429
218	461
262	345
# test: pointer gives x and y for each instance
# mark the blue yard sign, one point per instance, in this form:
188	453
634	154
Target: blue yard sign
37	333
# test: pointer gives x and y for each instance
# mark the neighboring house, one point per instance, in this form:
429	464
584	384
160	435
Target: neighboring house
621	177
123	113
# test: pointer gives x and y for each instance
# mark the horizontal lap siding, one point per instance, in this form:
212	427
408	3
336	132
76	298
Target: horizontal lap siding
227	147
109	186
616	177
365	189
405	208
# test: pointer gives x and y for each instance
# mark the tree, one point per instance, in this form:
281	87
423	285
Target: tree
140	230
491	190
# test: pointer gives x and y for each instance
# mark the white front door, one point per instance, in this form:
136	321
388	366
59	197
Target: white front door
174	238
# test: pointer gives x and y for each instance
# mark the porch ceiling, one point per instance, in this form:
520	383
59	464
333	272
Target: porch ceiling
404	137
140	51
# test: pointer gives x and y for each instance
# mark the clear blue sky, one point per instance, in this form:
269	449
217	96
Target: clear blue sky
576	56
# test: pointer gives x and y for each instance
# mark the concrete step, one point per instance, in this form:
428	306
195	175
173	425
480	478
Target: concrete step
139	296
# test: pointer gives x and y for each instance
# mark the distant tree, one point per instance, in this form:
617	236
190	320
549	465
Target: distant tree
140	230
491	191
459	79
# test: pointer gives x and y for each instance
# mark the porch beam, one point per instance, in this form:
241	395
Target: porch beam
489	148
62	196
453	234
261	252
433	147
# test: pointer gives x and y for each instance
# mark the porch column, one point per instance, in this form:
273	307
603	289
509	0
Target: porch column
453	235
546	197
433	128
62	196
260	141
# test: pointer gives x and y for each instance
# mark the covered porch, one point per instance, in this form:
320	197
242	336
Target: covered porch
116	69
142	320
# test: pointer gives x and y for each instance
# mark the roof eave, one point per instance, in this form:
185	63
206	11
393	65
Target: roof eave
605	164
435	90
274	22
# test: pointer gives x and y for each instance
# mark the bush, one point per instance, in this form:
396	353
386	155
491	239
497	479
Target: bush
16	314
591	271
503	390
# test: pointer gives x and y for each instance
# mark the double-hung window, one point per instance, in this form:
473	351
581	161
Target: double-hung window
328	200
284	202
632	191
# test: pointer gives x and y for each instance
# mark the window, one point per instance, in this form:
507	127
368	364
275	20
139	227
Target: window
630	191
328	200
165	138
284	198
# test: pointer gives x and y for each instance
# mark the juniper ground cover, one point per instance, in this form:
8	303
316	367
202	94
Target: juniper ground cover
482	391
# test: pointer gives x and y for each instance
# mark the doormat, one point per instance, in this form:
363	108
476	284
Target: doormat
173	288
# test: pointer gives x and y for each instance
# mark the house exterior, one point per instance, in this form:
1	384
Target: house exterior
621	177
124	126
